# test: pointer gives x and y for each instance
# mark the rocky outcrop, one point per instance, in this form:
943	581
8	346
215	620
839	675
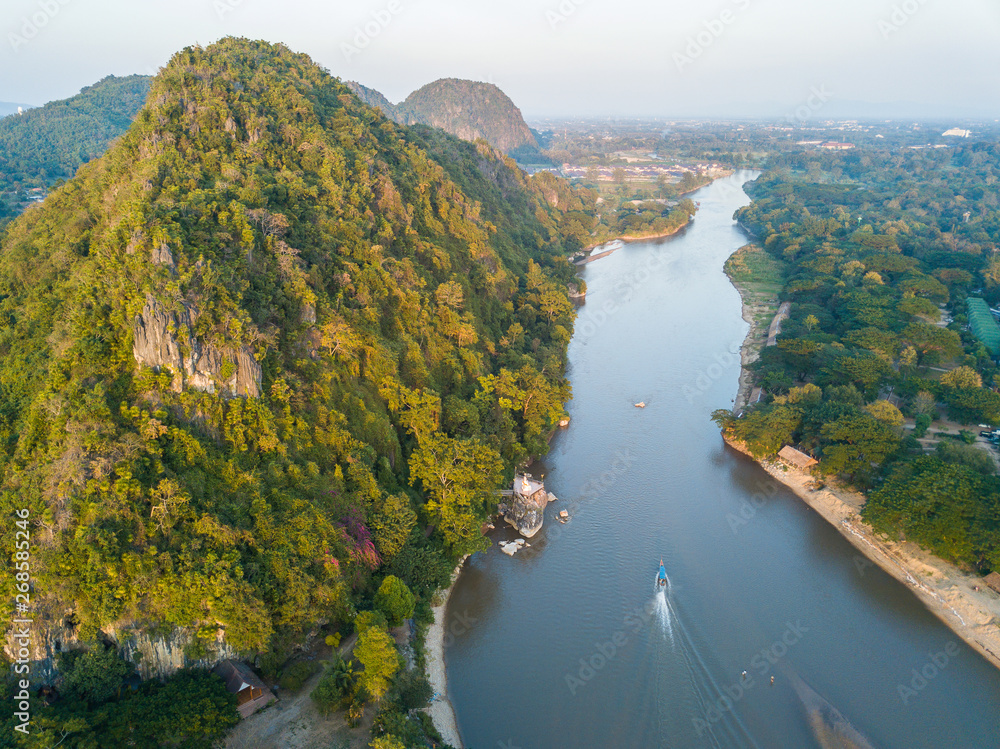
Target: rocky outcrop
156	656
162	339
524	508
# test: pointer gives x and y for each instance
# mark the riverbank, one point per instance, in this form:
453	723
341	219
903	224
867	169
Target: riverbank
948	592
625	239
441	710
759	280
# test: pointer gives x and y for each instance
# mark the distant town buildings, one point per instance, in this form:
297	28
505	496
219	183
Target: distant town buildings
644	171
957	132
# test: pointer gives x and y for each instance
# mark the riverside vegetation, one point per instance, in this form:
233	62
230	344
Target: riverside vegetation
263	367
880	250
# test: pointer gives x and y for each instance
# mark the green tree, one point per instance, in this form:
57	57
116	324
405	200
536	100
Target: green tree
461	477
394	600
857	444
962	377
376	652
391	524
387	742
336	685
95	674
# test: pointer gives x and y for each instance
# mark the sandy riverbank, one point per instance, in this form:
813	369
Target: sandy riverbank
753	308
749	353
441	710
950	593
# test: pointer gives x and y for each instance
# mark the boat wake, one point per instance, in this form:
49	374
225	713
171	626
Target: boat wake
661	608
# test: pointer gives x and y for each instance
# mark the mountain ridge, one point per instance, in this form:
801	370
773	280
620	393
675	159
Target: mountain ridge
467	109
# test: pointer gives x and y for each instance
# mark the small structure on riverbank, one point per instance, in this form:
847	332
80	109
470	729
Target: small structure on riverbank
993	581
796	458
524	508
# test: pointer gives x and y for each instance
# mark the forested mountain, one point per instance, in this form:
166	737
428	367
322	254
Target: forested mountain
468	109
49	143
259	345
881	251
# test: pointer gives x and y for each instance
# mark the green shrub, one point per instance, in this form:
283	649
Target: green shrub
297	674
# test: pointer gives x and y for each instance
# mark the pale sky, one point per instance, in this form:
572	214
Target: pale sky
667	58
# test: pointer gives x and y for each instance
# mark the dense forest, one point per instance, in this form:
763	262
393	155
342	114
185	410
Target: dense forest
880	251
47	144
265	364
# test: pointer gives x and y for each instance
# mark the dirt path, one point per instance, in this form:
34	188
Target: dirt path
775	329
294	722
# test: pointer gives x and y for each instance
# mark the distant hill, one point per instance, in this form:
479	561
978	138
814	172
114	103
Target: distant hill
467	109
49	143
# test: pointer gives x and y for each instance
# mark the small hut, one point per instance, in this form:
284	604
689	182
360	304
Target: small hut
251	694
796	458
993	580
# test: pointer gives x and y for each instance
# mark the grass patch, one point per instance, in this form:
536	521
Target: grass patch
751	266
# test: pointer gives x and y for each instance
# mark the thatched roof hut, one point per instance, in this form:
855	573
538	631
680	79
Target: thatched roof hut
993	580
796	458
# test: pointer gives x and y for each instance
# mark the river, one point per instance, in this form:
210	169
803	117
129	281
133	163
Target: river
566	644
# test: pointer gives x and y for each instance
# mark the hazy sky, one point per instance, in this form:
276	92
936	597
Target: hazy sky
569	57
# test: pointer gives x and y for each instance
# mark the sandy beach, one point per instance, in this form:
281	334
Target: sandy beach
950	593
441	710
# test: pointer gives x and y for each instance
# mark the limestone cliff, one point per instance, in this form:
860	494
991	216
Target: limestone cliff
469	110
162	339
154	655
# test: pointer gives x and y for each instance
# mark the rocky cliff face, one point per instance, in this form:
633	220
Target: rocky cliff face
161	339
154	656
